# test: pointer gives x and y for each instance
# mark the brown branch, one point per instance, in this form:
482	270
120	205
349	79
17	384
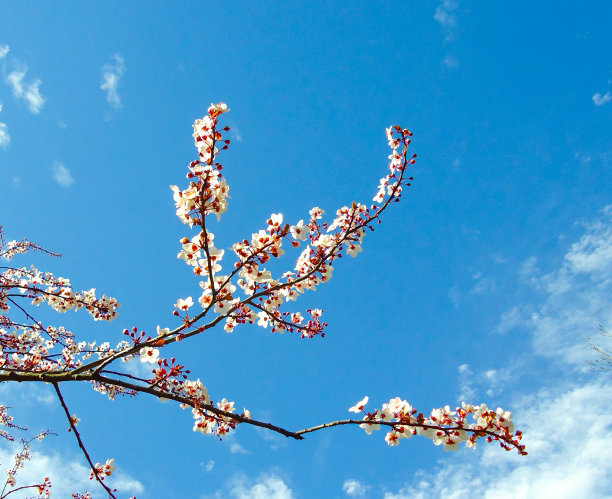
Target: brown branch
81	445
204	407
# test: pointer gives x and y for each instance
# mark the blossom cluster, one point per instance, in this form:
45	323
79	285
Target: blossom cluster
263	294
57	292
444	426
103	470
27	345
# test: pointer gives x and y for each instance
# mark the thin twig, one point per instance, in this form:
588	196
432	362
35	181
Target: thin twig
81	445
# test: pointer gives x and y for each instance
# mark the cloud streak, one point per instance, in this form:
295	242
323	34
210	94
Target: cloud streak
267	486
26	91
111	76
600	100
446	17
62	175
354	488
5	138
446	13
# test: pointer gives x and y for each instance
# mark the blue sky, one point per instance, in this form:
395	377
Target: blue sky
481	285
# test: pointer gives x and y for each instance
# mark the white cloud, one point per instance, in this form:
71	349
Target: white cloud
566	427
67	476
352	487
236	448
466	377
483	284
208	466
593	252
267	486
575	297
569	441
511	319
62	175
4	49
600	100
29	92
5	138
32	394
445	13
111	75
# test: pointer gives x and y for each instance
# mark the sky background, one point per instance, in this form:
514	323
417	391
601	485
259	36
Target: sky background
482	285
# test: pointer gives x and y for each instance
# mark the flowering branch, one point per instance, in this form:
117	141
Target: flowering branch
42	489
247	293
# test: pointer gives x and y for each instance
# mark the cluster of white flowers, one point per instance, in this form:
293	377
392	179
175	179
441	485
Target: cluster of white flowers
390	185
207	193
103	470
443	426
57	292
27	345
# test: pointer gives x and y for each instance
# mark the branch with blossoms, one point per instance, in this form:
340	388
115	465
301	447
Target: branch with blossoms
246	293
20	458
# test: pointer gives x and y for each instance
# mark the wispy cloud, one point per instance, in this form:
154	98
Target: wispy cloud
446	13
600	100
62	175
354	488
21	396
267	486
466	378
111	75
5	138
29	92
236	448
208	466
483	284
575	297
4	49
